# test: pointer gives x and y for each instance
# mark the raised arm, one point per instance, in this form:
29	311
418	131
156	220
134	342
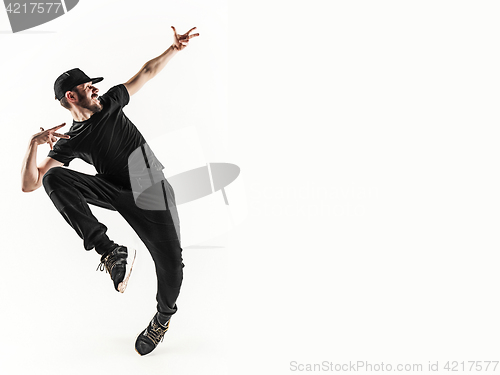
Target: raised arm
31	174
154	66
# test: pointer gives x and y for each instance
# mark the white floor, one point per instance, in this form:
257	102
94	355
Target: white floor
71	321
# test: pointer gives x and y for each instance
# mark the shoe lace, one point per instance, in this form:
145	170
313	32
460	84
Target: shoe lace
157	332
107	264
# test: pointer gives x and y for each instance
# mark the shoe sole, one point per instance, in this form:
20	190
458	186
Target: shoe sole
123	285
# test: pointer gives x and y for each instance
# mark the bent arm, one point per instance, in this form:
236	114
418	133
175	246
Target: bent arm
31	174
149	70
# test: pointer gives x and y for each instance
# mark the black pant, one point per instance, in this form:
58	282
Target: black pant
72	191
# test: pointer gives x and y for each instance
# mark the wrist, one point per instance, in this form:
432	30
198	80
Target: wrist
33	141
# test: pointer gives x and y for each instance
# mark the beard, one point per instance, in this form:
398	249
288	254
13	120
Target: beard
91	105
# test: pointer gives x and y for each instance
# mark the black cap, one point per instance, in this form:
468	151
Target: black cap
68	80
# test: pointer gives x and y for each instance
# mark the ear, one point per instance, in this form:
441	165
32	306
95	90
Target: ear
71	97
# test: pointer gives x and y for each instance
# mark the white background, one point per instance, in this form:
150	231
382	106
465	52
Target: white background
367	136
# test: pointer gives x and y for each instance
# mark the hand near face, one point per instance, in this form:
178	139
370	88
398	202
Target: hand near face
49	136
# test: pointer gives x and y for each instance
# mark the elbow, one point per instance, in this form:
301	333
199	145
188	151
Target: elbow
30	183
28	189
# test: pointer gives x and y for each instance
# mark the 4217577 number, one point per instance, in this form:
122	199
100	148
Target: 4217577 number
475	366
33	8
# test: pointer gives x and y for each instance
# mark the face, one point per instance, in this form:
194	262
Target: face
87	97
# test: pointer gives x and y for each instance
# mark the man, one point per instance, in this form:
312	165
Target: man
103	136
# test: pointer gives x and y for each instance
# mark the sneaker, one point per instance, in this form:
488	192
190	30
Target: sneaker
115	263
149	339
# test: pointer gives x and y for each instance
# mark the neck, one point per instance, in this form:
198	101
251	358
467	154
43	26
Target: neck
81	114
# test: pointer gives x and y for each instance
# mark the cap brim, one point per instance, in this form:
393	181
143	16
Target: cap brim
95	80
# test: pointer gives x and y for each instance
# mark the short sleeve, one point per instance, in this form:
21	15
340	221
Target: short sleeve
118	94
61	152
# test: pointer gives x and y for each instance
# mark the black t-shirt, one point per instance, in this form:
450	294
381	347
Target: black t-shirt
105	140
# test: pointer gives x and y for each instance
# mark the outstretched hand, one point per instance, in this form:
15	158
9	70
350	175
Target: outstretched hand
181	40
49	136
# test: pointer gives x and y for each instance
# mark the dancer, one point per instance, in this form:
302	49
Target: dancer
103	136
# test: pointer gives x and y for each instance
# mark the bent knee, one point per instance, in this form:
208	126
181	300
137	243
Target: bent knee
51	178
